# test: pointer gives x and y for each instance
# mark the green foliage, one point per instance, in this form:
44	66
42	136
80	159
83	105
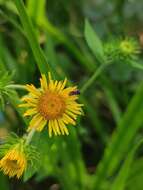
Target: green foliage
5	80
4	182
30	151
104	151
94	42
31	36
135	176
10	141
120	181
127	130
123	50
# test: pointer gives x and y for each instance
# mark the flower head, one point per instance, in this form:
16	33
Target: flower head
16	155
129	47
119	50
53	104
14	162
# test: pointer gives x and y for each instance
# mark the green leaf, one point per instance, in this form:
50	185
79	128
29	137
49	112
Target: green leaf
2	102
119	143
94	42
136	176
32	38
120	180
48	158
30	171
137	65
36	9
4	185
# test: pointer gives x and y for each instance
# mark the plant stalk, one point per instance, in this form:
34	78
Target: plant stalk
16	86
30	136
93	78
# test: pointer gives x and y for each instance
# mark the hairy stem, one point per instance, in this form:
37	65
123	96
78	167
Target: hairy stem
93	78
30	136
16	86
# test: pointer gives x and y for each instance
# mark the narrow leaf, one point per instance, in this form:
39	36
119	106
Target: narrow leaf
94	42
136	176
121	139
137	65
31	36
120	180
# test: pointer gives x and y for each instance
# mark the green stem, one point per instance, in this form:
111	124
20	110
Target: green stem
30	136
16	86
93	77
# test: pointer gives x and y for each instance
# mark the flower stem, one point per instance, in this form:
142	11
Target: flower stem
16	86
93	77
29	136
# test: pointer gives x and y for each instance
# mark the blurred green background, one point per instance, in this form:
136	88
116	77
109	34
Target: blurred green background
113	99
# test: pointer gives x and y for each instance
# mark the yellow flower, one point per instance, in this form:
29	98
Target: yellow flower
14	162
53	104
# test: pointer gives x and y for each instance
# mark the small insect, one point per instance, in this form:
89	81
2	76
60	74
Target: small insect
75	92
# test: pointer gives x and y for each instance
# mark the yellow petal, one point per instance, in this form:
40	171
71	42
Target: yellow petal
43	82
35	119
41	125
30	112
74	106
29	99
55	85
68	119
64	84
67	91
31	88
24	105
50	129
72	98
56	126
71	114
59	86
53	127
35	122
49	76
51	85
62	125
78	112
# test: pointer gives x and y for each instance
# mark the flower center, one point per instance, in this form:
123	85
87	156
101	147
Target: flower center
12	164
51	105
126	47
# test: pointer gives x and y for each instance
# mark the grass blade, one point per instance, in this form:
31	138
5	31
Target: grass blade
121	139
120	180
31	36
36	9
